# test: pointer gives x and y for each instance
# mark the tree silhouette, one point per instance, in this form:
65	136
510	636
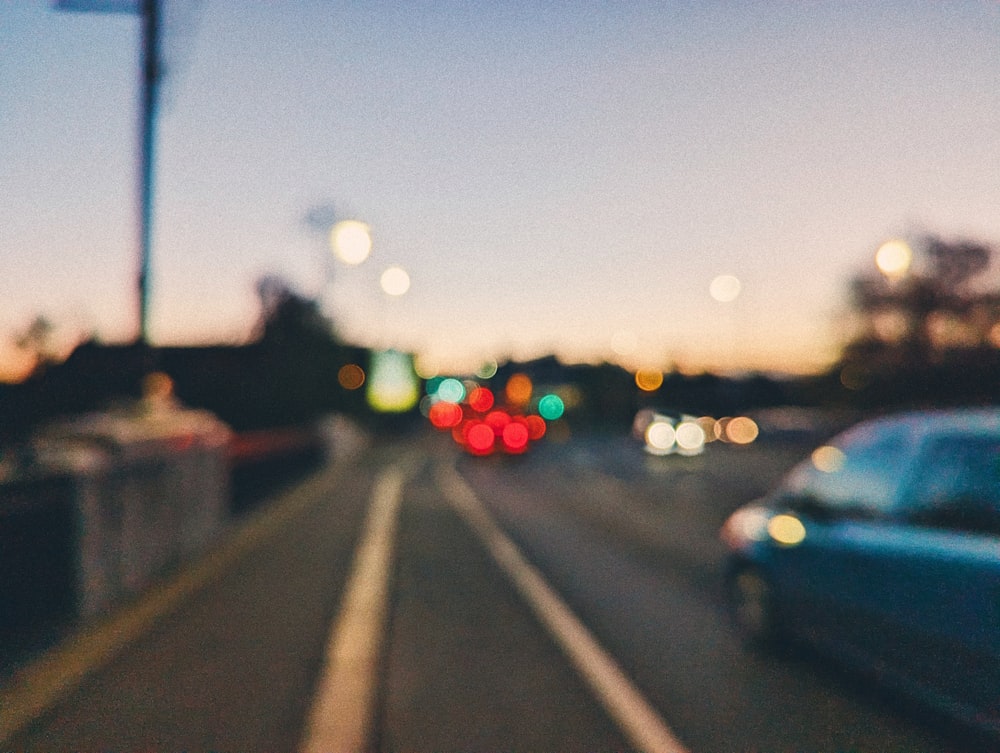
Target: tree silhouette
297	357
931	310
930	332
288	318
36	340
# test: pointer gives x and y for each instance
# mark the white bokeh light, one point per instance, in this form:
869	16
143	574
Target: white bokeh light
395	281
725	288
351	241
893	259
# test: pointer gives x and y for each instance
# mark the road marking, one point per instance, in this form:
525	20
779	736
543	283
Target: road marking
342	712
612	687
39	685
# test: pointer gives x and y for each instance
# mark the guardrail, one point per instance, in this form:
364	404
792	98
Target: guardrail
108	503
97	508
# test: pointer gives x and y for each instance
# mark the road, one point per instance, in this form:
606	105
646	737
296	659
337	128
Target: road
566	600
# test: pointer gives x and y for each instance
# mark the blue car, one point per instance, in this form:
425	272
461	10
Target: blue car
883	550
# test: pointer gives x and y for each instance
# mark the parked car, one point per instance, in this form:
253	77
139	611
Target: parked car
883	550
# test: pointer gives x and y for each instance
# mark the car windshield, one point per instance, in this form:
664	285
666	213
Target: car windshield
857	474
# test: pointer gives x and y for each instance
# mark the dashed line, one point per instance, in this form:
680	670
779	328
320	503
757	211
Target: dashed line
341	717
621	699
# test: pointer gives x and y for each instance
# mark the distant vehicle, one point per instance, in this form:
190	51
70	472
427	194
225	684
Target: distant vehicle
669	432
883	550
470	412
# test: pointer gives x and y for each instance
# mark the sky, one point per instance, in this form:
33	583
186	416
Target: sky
562	178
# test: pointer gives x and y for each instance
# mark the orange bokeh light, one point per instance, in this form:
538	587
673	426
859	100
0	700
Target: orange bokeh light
518	390
536	427
351	376
649	380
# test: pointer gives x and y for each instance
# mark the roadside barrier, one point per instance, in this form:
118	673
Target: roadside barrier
143	491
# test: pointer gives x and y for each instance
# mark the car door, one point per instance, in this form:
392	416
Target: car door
945	569
835	579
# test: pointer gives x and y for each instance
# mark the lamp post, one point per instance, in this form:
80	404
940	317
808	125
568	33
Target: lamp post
150	92
347	242
350	243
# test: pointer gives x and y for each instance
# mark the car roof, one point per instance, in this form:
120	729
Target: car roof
924	423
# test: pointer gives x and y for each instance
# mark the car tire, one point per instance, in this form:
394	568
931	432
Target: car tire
752	606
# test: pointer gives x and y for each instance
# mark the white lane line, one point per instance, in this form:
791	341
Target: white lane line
342	712
612	687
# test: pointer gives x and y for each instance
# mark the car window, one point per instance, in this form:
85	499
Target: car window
957	485
858	474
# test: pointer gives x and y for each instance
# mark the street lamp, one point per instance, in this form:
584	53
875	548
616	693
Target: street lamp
351	241
395	281
725	288
893	259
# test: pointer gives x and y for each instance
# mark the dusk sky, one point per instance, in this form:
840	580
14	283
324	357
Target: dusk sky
562	178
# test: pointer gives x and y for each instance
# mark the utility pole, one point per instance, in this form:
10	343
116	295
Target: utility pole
150	90
151	70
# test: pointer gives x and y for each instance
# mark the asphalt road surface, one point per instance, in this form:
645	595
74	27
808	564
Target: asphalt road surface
413	598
